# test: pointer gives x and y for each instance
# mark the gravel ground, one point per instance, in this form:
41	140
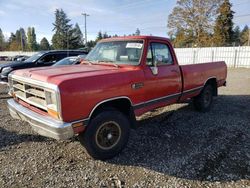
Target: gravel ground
174	147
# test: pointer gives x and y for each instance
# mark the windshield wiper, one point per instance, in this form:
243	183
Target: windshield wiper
109	62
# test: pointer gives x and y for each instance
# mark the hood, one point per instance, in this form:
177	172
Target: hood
12	64
57	75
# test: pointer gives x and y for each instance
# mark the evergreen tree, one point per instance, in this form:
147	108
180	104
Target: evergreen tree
32	44
223	30
44	44
63	30
12	38
18	42
90	44
21	39
78	31
99	36
2	41
137	32
13	45
29	39
77	39
105	35
236	36
244	36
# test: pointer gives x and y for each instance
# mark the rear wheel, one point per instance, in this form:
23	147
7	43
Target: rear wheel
106	135
204	100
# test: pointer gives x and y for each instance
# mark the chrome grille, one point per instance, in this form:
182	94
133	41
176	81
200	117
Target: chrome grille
29	93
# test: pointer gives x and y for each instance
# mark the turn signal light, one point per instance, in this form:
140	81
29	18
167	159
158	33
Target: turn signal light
53	113
78	127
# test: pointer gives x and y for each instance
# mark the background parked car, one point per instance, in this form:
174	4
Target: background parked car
74	60
20	58
41	59
3	58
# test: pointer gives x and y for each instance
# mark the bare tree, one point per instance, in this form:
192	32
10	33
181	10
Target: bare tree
195	17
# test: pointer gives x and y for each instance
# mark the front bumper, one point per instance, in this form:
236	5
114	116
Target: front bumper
43	125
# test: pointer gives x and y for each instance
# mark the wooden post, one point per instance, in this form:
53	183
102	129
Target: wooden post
235	57
194	54
212	55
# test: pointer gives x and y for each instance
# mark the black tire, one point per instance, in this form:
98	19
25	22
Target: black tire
106	135
204	100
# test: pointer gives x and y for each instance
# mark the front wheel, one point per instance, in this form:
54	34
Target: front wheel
204	100
106	135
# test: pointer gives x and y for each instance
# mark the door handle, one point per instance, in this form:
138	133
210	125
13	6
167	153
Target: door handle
137	85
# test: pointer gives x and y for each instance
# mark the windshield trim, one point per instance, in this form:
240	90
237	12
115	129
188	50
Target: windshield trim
121	40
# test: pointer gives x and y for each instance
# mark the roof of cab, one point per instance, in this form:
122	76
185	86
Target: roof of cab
134	38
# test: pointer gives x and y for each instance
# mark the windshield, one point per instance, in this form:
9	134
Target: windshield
35	57
118	52
67	61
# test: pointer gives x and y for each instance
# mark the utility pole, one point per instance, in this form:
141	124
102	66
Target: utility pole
85	26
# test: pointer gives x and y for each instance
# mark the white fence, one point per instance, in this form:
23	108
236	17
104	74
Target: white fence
14	53
233	56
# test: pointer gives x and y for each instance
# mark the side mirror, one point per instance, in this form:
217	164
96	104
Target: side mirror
158	59
154	70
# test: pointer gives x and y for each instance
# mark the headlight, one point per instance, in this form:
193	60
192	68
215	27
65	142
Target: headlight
52	104
6	70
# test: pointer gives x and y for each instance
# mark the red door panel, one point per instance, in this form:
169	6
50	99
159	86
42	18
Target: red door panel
165	87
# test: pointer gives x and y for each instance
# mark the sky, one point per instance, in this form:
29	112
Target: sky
111	16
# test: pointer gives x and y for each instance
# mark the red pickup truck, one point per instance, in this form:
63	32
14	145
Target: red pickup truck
98	100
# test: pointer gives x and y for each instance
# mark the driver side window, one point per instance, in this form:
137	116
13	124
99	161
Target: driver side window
159	51
47	58
52	58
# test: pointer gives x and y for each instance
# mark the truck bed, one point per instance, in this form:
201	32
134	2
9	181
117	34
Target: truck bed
195	76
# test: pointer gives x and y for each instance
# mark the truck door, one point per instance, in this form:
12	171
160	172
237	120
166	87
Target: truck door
163	83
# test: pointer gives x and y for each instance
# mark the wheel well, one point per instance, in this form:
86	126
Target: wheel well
213	83
123	105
